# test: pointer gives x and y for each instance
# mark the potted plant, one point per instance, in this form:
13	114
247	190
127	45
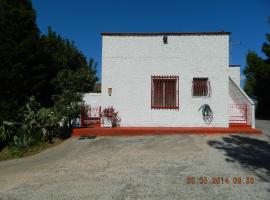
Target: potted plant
110	118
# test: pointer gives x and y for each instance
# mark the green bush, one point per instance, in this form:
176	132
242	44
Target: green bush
37	125
6	131
64	132
28	131
22	141
49	123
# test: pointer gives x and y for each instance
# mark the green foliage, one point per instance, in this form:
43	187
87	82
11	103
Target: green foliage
10	152
29	132
58	55
7	130
29	62
22	140
70	86
37	124
49	123
257	85
48	67
18	44
92	66
78	81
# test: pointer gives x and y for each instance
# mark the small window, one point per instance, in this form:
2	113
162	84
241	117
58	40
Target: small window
164	92
165	39
201	87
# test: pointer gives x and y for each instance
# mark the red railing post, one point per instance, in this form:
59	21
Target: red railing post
82	119
246	112
238	113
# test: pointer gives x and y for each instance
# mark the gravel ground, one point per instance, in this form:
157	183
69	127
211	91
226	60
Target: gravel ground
145	167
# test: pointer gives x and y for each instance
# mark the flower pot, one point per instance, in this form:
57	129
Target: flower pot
106	122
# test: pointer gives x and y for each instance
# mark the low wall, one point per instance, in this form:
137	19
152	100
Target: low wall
93	99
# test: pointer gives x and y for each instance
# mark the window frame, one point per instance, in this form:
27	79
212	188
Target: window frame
209	91
164	106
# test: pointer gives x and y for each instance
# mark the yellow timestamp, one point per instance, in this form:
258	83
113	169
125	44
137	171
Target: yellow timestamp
216	180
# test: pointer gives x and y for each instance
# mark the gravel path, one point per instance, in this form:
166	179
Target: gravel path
152	167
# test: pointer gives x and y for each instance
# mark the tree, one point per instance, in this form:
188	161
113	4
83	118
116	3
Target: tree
18	43
55	54
48	67
29	62
70	86
257	84
92	65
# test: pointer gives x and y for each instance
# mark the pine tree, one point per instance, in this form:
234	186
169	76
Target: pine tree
258	79
18	43
30	63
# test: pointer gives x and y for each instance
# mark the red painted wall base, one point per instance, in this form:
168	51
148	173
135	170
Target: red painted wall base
133	131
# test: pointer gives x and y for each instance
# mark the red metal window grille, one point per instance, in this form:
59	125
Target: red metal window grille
164	92
201	87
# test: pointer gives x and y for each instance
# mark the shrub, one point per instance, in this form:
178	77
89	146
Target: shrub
63	132
37	125
6	131
29	131
23	140
68	113
49	123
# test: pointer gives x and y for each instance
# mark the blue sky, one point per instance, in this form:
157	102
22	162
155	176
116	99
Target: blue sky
83	20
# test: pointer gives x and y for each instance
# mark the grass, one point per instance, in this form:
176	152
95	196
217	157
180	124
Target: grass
8	152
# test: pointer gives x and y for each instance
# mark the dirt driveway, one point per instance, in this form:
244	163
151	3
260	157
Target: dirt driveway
152	167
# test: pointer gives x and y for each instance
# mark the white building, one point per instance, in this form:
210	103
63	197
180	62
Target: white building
162	80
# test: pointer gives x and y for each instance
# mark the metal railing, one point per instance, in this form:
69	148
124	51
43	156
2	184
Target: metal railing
238	114
91	117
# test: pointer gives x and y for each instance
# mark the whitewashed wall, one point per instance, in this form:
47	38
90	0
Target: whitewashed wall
93	99
234	73
129	61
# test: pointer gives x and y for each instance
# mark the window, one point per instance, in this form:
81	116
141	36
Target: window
164	92
201	87
165	39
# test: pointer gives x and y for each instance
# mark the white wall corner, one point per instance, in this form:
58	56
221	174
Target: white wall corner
253	116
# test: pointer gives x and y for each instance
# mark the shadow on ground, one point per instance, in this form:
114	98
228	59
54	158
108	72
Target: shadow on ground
250	153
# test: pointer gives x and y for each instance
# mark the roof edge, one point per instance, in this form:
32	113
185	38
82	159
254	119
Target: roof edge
237	65
162	33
